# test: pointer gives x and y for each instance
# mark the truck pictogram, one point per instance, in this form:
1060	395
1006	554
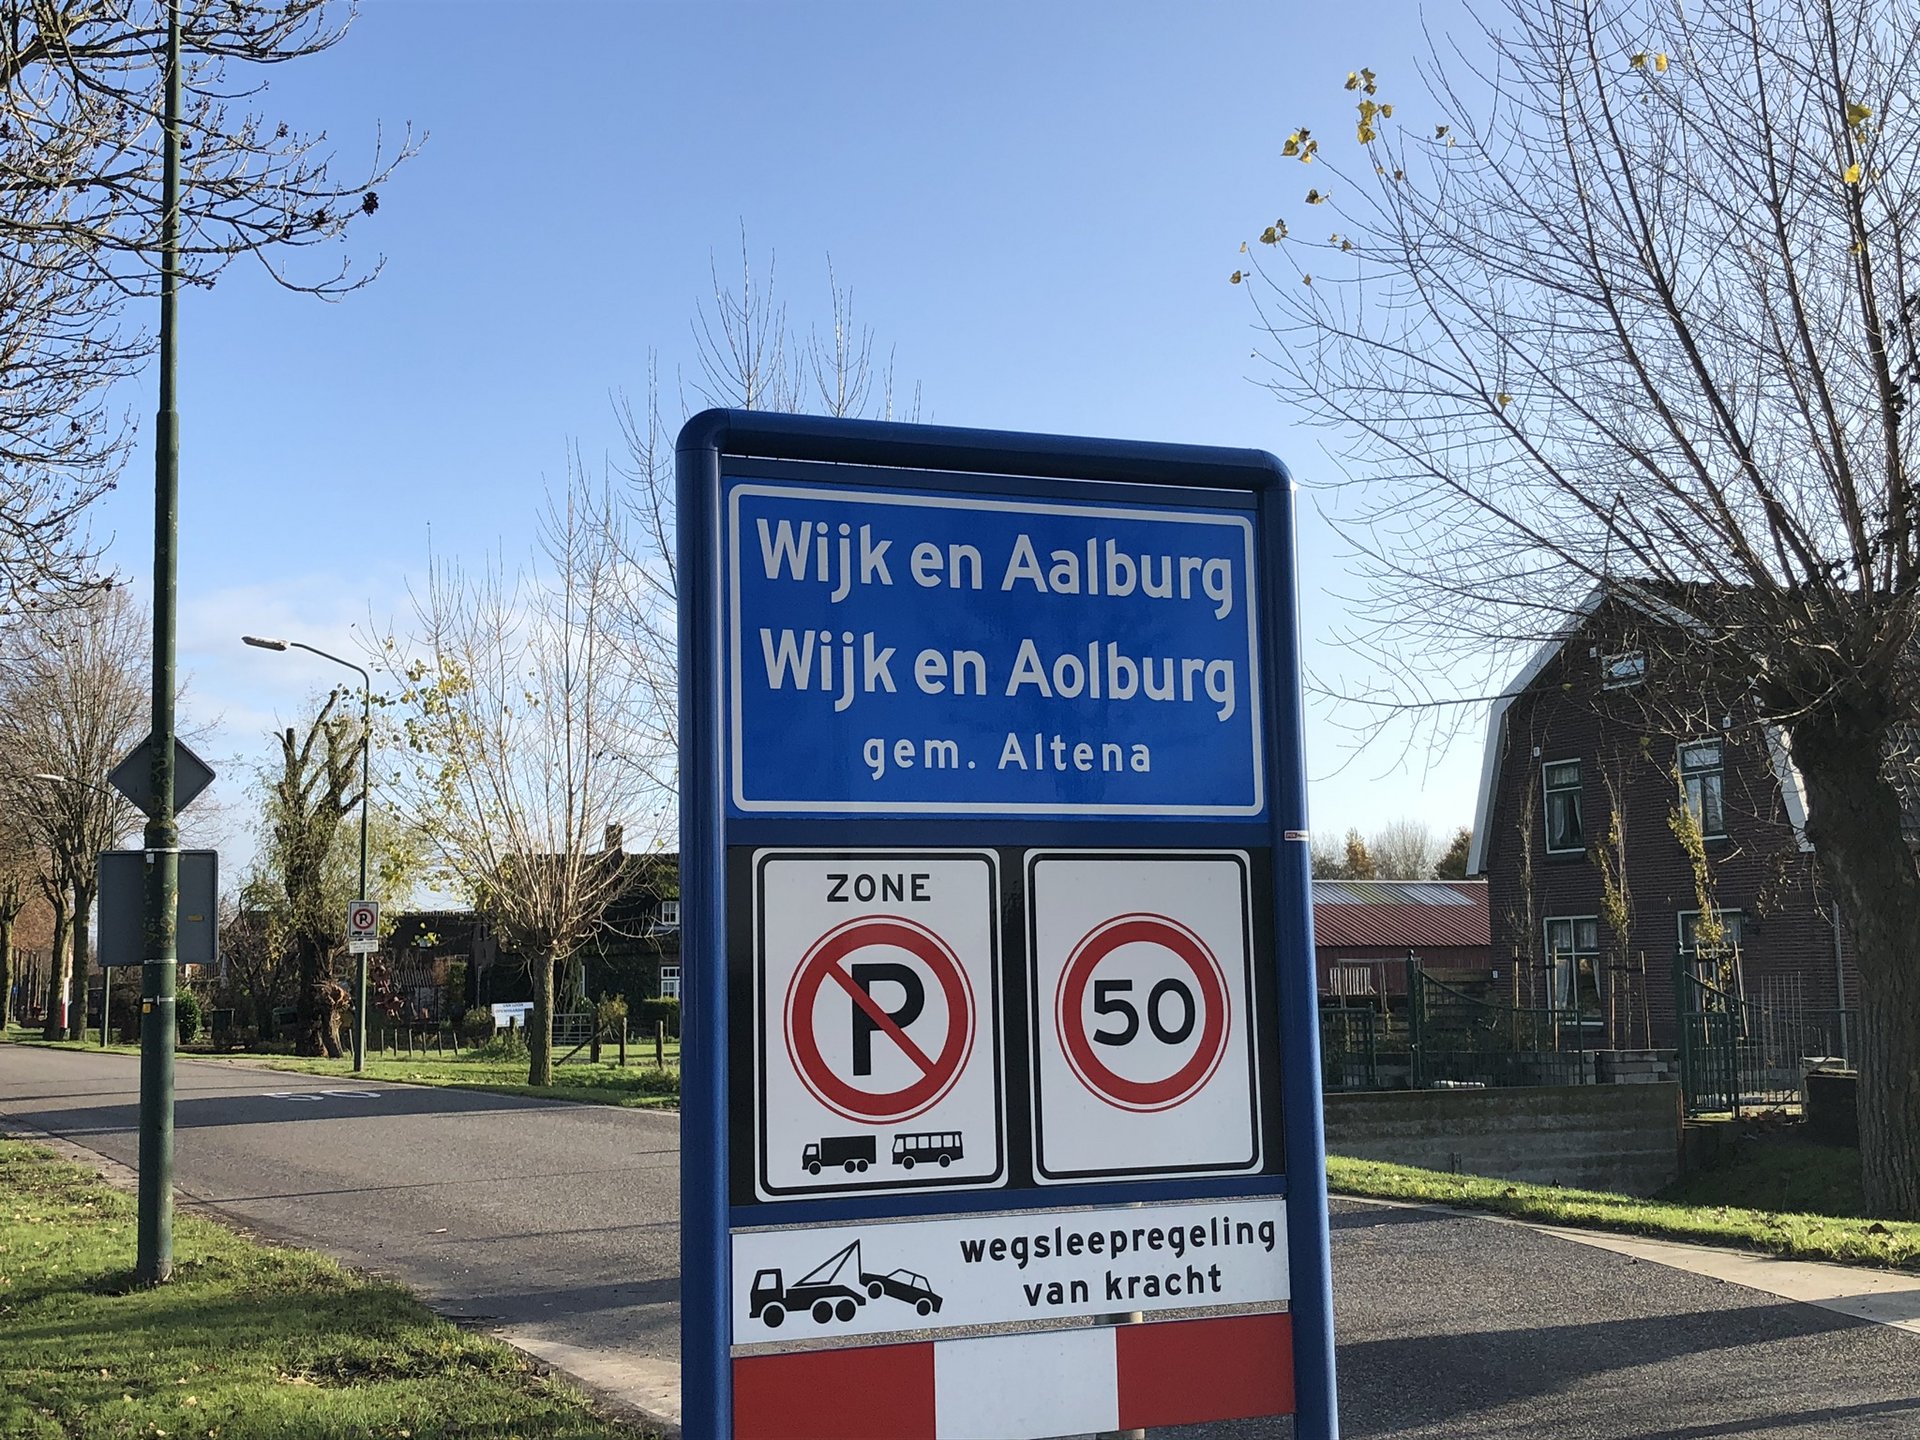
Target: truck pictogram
826	1293
851	1152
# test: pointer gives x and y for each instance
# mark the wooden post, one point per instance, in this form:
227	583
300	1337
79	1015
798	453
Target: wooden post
623	1042
660	1044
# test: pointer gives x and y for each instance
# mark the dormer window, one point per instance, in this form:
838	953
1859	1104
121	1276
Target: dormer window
667	914
1624	670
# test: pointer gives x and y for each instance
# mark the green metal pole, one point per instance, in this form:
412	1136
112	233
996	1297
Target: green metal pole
360	969
155	1262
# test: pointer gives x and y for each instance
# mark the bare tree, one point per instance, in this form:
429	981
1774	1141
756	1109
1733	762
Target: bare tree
80	213
73	702
522	768
18	869
1403	849
750	359
1627	298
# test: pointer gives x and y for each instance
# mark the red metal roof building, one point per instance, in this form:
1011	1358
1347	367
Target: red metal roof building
1364	930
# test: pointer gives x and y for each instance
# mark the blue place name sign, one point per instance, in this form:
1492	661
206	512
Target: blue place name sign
916	652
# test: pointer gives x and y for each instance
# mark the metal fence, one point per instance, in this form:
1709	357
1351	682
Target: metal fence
1739	1051
1445	1036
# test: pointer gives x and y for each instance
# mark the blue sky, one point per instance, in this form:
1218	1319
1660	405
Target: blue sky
1037	206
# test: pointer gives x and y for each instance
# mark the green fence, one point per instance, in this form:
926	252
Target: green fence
1444	1035
1739	1052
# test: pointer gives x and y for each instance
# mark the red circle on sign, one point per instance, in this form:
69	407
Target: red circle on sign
937	1072
1095	946
362	917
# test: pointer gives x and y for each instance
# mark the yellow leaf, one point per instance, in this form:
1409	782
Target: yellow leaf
1268	236
1314	197
1353	81
1235	278
1386	112
1306	279
1243	247
1366	77
1639	62
1504	399
1853	173
1346	244
1857	113
1660	62
1365	134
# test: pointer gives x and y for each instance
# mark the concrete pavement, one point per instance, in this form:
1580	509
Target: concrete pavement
556	1226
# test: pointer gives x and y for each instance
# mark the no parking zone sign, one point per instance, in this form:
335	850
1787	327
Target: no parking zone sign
1000	1025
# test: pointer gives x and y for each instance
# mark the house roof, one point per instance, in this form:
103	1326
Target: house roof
1401	914
1784	770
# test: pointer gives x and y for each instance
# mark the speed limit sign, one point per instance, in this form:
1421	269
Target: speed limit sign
1143	1015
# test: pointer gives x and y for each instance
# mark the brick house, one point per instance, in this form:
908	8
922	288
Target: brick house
1587	732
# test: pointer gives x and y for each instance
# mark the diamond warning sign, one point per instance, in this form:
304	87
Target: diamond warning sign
878	1042
1142	1014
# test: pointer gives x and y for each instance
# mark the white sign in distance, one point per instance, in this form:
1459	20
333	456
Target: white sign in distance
363	927
1142	1015
828	1281
877	1021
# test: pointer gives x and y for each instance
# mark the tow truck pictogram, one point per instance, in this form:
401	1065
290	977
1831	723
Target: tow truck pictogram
824	1291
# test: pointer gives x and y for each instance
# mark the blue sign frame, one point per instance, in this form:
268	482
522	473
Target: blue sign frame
869	462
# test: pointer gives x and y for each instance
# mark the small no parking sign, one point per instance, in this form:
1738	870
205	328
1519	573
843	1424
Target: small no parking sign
1000	1018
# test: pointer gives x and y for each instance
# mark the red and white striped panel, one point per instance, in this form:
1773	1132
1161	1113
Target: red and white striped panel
1016	1387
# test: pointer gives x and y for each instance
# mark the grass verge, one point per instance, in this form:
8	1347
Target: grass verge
248	1342
1794	1236
637	1086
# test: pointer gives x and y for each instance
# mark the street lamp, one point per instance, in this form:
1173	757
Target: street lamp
261	642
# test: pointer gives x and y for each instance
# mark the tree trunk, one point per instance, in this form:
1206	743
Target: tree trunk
6	971
82	958
315	1031
540	1023
1853	819
54	1027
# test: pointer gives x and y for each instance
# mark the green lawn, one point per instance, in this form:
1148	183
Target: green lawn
1793	1235
249	1342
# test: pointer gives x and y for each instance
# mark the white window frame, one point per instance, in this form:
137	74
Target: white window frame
1700	773
1547	791
669	983
1560	980
666	913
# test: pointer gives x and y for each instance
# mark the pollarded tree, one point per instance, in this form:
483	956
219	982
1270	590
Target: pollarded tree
316	785
526	743
80	215
1627	298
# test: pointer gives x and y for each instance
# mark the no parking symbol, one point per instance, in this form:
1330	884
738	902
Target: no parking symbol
878	1021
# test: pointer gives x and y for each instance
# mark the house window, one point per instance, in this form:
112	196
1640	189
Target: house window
1622	671
1563	806
670	982
1703	777
1573	953
666	915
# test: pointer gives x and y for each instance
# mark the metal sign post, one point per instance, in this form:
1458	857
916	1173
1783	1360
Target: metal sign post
999	998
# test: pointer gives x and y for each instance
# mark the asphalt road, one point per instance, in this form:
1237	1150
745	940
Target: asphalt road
557	1225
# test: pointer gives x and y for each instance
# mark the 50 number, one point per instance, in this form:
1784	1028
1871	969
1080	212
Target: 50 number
1107	1000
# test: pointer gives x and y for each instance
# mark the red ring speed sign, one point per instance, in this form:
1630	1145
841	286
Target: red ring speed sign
937	1072
1211	1003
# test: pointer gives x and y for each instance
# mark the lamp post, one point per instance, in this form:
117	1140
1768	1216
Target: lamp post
261	642
160	964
